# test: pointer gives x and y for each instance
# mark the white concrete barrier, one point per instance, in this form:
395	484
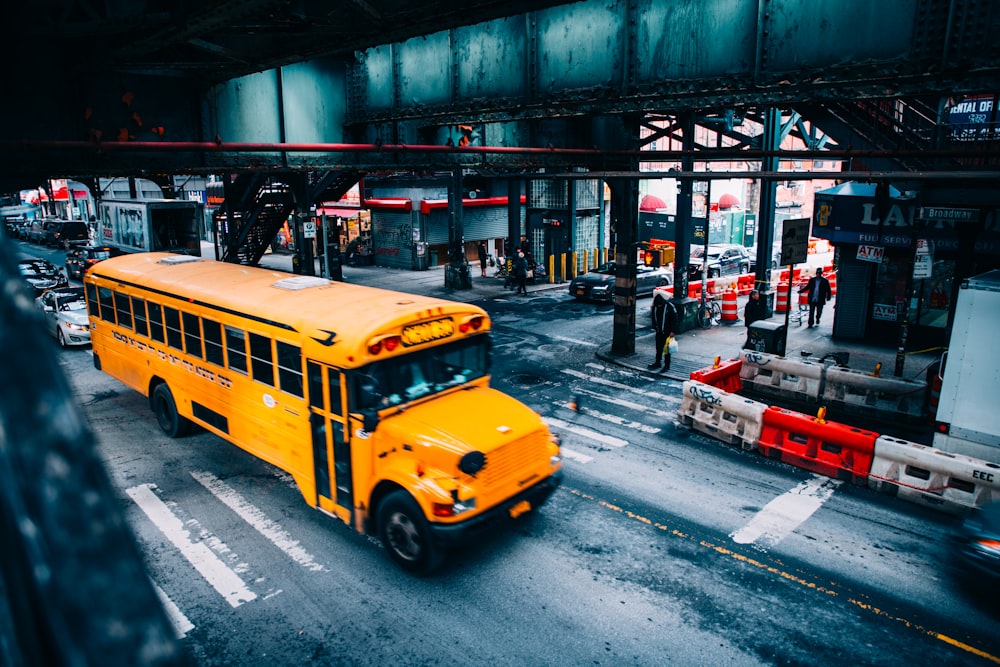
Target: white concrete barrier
857	392
730	418
953	483
771	375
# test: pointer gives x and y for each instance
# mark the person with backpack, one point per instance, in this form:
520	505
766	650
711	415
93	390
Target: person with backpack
664	315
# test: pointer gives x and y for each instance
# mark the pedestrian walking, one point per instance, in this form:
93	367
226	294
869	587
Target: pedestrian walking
819	292
664	315
752	311
521	273
484	257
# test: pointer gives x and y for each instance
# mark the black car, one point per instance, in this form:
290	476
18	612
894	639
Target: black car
977	549
66	233
41	275
79	260
599	284
723	260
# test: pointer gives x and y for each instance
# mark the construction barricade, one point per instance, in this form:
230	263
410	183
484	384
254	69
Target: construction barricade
827	448
730	309
722	415
860	393
781	298
723	375
744	284
771	375
952	483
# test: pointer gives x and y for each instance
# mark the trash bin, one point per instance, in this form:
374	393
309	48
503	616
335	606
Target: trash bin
767	337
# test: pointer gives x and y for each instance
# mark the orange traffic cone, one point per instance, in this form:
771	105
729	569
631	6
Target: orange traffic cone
730	312
781	299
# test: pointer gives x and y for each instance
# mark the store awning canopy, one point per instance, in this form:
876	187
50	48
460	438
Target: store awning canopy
855	189
652	203
728	201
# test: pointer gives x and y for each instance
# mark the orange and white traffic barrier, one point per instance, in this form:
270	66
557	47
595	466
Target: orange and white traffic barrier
730	311
725	416
781	298
832	277
952	483
781	377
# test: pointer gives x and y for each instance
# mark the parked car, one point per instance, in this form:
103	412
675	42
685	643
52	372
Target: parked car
599	284
79	260
41	275
22	229
976	549
66	233
65	311
37	229
723	260
775	256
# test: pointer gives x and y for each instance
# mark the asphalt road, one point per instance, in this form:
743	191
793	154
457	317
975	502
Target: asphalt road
662	546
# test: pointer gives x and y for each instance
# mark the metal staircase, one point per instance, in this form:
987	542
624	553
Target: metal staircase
261	204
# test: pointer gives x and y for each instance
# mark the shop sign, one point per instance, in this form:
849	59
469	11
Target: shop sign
885	312
871	253
923	265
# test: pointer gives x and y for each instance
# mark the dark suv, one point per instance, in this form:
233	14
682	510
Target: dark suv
79	260
66	233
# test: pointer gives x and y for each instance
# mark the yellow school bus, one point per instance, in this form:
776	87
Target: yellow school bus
378	403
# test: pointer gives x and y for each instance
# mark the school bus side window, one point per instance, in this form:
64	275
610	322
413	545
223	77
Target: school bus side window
192	335
289	368
334	382
236	349
139	313
124	313
93	306
106	297
213	342
261	359
172	318
155	322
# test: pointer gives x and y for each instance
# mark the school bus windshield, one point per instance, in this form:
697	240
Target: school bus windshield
411	376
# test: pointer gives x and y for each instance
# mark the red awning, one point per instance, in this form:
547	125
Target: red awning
651	203
339	212
728	201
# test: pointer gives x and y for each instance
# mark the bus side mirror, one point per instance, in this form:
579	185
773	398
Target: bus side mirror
369	419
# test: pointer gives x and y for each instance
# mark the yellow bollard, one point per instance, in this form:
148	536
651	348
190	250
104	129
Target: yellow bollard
552	263
572	265
878	369
562	267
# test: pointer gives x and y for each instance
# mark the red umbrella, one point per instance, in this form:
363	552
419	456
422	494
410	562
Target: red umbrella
728	201
651	203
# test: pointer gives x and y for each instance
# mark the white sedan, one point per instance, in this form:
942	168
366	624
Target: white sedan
65	311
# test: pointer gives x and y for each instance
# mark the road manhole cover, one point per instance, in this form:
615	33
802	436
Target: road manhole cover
527	379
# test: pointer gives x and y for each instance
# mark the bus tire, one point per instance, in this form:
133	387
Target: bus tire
165	409
406	536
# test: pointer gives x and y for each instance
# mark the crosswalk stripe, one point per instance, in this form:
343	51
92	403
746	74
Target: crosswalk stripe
258	520
609	440
226	582
616	385
182	625
614	419
576	456
631	405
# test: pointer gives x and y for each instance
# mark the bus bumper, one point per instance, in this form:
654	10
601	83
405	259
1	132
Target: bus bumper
457	533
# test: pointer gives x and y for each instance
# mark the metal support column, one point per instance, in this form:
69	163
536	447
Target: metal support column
457	274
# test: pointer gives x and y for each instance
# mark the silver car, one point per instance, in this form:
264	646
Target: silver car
65	313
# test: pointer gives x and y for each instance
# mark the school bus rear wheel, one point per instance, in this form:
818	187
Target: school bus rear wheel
165	409
405	534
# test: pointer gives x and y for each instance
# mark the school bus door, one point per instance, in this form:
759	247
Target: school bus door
330	444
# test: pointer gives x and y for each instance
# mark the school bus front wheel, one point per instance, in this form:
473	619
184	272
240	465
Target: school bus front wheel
406	536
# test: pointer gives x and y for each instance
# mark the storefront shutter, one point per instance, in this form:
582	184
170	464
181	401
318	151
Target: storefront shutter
853	280
392	238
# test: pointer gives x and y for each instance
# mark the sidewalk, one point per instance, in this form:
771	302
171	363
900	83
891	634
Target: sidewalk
698	347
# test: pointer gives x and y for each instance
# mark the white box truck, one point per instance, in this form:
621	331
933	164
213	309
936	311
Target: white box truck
147	225
968	419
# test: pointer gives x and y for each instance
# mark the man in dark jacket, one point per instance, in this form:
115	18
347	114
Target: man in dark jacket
664	315
520	273
819	292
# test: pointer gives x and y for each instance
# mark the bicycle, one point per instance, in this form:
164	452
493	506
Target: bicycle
709	313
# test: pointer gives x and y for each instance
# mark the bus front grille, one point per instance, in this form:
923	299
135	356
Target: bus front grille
515	460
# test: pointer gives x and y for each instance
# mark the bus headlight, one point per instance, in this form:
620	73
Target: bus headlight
464	505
